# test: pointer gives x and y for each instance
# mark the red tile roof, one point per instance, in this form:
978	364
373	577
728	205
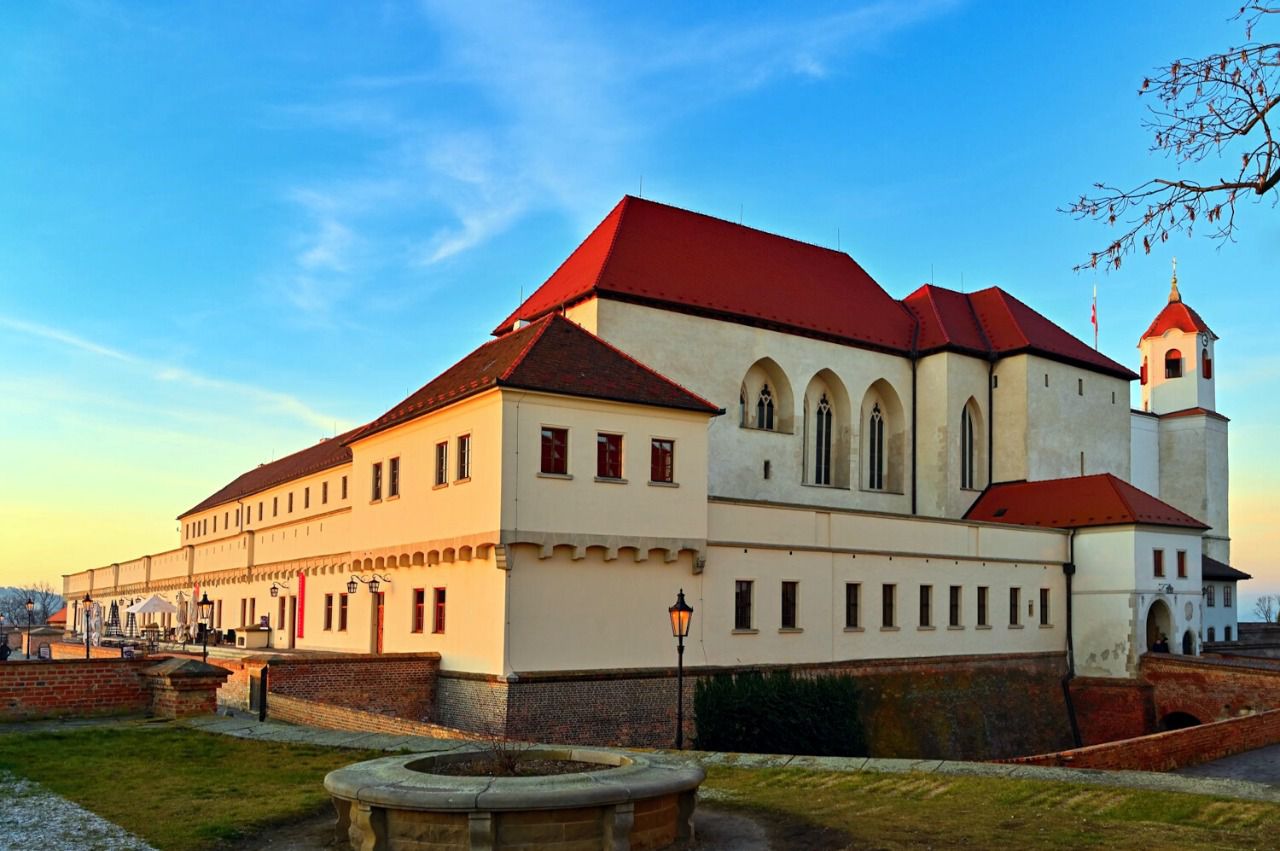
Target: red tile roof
1211	568
552	355
1193	412
330	452
1100	500
1177	315
991	321
651	253
58	618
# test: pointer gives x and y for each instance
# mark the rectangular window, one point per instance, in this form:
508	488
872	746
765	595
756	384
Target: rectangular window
204	526
375	489
218	617
1157	562
237	518
982	605
324	493
1226	596
328	612
342	613
393	477
306	498
742	604
275	506
344	487
1208	596
437	617
555	451
464	457
954	616
887	614
442	463
1182	564
215	524
259	511
1079	386
244	612
609	456
790	593
1226	633
280	615
253	611
1044	607
290	510
1014	594
852	605
419	609
926	605
662	461
226	520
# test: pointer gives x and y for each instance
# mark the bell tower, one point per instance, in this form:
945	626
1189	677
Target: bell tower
1190	436
1177	359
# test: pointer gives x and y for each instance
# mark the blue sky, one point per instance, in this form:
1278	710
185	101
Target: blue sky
227	229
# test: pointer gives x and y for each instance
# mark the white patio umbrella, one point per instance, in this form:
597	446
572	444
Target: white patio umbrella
156	605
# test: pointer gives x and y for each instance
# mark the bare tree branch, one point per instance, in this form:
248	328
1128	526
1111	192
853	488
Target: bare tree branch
1215	113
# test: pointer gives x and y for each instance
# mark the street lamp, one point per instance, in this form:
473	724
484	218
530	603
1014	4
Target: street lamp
275	588
374	583
681	613
86	603
206	615
31	606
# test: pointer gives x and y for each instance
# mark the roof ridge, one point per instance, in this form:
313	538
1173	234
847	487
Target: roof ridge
982	332
1004	297
622	208
535	336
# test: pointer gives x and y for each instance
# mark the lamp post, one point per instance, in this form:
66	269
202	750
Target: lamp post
275	588
206	615
31	606
681	613
86	604
374	583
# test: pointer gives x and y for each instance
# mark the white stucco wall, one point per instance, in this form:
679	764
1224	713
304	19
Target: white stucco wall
1144	431
1194	475
1220	616
1162	395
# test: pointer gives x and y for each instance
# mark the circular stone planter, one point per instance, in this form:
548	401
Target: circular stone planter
635	802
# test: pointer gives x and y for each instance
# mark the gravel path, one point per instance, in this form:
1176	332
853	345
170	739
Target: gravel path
33	817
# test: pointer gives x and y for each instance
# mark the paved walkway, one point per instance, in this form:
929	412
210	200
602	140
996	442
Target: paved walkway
1259	766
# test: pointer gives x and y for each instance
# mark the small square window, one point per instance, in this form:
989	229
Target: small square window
609	456
662	460
555	451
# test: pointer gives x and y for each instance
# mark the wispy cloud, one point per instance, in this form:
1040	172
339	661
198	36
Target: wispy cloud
526	111
263	401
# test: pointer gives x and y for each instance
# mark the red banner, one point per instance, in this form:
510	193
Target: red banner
302	601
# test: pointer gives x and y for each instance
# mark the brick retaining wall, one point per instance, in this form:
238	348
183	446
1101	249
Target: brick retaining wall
1173	749
399	684
75	688
1111	709
295	710
1212	689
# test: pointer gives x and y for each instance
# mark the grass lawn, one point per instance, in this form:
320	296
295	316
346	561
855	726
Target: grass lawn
888	811
179	789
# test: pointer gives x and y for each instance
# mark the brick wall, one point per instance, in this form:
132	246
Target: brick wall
946	707
295	710
73	688
1173	749
398	684
1212	689
1112	709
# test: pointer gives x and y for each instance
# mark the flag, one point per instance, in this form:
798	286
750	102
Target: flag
1093	318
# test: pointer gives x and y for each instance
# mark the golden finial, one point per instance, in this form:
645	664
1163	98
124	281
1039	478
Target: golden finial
1174	295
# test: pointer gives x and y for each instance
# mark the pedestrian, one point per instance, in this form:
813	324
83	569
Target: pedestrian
5	650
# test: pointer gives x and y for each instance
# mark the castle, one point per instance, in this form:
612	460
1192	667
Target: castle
836	479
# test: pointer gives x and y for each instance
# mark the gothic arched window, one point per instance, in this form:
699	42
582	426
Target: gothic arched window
875	449
822	443
1173	364
966	449
764	409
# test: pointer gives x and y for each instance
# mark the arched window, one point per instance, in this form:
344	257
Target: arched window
764	409
822	443
966	449
1207	364
1173	364
1144	371
1210	635
875	448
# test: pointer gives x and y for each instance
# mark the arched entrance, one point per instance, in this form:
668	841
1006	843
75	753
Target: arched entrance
1188	644
1159	623
1179	721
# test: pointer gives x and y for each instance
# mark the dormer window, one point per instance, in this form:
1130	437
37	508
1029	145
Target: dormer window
764	409
1173	364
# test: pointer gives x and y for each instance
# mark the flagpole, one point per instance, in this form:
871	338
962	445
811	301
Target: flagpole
1095	316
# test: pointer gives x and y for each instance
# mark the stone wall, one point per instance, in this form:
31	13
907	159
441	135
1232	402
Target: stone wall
1173	749
974	707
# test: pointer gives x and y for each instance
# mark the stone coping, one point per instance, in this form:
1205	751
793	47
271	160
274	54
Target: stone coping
401	782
